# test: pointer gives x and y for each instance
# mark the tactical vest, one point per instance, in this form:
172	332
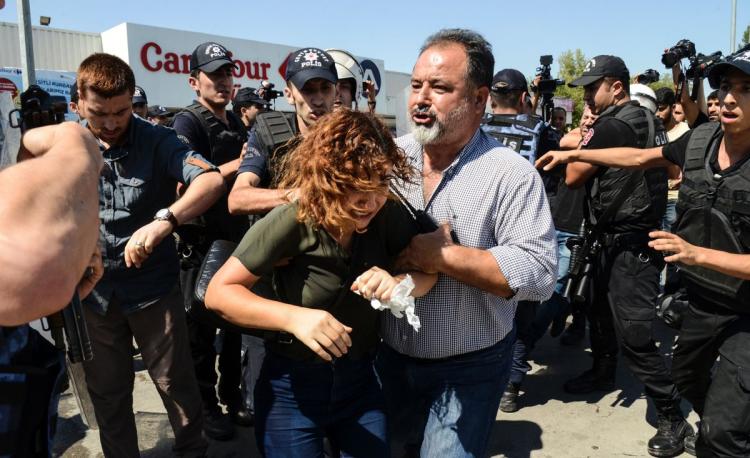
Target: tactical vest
645	206
519	132
226	145
276	136
713	211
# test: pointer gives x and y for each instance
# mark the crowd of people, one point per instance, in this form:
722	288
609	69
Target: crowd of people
208	240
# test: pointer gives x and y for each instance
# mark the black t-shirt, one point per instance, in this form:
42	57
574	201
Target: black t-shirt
567	211
675	152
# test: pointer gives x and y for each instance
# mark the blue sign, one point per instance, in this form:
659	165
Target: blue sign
371	73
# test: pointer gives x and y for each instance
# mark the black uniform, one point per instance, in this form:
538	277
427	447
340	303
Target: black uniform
220	143
626	276
713	211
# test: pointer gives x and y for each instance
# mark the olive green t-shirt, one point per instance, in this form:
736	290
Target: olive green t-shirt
319	272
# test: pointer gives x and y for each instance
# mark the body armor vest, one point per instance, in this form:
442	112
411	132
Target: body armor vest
713	211
644	207
519	132
226	145
275	135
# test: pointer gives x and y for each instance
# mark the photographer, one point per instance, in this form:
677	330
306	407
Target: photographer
623	207
665	103
62	166
713	106
710	243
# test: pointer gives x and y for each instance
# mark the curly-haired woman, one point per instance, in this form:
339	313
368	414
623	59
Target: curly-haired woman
341	234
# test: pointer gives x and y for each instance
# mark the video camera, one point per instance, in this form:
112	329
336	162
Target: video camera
38	109
684	49
267	92
698	63
546	86
648	76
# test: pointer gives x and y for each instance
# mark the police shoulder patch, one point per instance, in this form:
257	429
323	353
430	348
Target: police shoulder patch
192	160
588	136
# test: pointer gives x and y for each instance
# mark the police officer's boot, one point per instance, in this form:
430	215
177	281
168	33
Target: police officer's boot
601	377
671	432
509	401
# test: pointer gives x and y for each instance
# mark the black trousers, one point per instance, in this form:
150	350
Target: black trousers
626	284
202	337
723	401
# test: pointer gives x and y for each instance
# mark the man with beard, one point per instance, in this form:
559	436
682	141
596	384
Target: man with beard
445	381
217	134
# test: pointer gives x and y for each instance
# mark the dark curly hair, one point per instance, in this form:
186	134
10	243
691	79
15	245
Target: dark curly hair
345	152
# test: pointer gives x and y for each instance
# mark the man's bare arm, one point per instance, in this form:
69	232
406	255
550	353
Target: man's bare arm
624	158
246	198
49	221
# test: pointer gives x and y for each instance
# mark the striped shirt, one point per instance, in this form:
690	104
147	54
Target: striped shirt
495	201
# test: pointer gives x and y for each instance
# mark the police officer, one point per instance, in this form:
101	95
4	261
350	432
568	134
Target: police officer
311	89
528	135
218	134
140	102
350	75
623	206
711	243
247	105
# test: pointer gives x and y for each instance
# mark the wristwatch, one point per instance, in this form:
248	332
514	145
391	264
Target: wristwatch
165	214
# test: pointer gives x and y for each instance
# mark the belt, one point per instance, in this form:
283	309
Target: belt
626	239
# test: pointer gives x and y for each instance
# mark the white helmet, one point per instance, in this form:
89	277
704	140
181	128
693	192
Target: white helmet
644	95
348	67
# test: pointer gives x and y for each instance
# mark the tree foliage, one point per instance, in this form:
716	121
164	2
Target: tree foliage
571	65
745	37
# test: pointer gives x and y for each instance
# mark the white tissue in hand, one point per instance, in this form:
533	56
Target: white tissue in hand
401	302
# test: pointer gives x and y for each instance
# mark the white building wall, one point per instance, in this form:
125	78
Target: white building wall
54	49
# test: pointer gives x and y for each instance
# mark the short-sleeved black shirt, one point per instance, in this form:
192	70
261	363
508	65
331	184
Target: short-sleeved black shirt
320	272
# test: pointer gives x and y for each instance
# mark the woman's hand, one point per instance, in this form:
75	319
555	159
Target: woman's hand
375	283
321	332
680	250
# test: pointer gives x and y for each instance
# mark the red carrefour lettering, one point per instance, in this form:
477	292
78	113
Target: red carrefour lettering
239	70
144	56
172	62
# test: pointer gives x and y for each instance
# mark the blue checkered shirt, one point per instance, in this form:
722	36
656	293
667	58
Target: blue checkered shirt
495	201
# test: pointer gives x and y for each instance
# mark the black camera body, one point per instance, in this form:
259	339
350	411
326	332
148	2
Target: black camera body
267	92
547	85
700	63
38	109
647	77
684	49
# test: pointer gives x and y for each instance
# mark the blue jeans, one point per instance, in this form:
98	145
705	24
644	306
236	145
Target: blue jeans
533	320
445	407
297	404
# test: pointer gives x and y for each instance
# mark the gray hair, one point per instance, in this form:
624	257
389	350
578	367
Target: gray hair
480	63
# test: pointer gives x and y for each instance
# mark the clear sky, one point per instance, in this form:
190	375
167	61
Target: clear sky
519	31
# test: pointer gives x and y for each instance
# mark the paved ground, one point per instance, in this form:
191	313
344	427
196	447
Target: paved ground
550	423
